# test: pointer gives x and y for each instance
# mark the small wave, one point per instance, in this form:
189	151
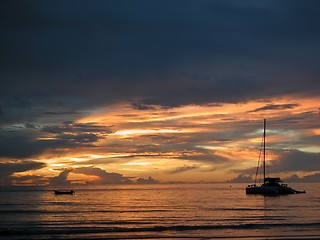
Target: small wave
157	228
244	209
21	211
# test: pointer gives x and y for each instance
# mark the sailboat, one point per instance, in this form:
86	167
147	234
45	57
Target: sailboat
271	185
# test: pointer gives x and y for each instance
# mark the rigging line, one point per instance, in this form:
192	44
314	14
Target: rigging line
259	160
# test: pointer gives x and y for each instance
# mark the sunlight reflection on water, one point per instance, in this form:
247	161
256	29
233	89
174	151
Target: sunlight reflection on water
136	211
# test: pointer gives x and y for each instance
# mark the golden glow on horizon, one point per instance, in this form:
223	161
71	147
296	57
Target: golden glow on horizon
137	163
80	178
312	149
145	131
57	164
189	143
316	131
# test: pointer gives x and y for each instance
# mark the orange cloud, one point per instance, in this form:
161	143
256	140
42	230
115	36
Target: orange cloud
156	141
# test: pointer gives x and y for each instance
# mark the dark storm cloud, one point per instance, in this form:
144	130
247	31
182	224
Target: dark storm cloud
276	107
20	145
7	169
72	134
309	178
60	60
72	140
105	177
73	127
291	161
61	179
164	52
293	178
204	155
242	179
295	160
61	113
31	126
26	141
34	106
141	106
28	180
149	180
184	168
21	166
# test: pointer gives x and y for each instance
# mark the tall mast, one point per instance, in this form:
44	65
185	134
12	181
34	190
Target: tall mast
264	150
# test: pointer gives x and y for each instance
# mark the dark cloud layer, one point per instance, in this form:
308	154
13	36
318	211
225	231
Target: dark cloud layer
149	180
184	168
23	144
7	169
79	53
295	160
60	60
309	178
290	161
293	178
61	179
104	176
26	141
73	127
276	107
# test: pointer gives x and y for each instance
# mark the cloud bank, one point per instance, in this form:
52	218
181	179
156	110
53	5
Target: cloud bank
76	54
123	81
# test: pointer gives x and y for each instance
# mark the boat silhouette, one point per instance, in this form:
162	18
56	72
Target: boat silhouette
271	185
59	192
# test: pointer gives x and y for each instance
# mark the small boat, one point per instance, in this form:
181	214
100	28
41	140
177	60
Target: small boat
271	185
59	192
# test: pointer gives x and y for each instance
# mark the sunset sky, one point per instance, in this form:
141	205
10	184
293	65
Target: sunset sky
125	91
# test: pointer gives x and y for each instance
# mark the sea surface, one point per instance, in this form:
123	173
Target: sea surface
167	211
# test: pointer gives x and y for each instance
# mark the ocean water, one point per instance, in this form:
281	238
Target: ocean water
168	211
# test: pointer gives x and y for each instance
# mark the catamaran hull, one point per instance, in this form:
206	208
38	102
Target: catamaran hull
272	190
